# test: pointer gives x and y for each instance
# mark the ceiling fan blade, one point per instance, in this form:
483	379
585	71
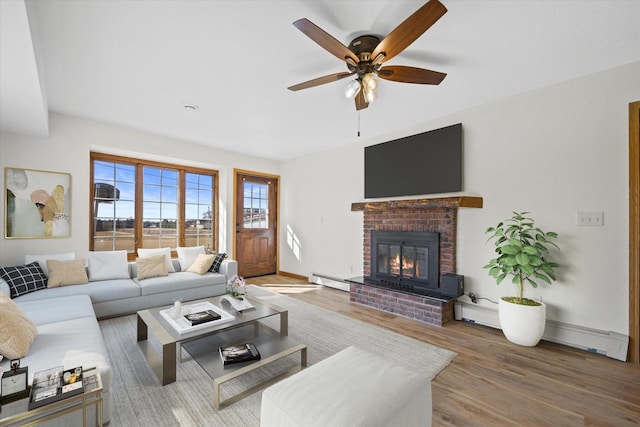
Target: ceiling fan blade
324	39
361	103
403	74
410	29
320	81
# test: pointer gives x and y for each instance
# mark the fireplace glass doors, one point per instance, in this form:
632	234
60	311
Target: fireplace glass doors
405	258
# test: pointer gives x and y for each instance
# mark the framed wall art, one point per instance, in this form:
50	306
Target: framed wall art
37	203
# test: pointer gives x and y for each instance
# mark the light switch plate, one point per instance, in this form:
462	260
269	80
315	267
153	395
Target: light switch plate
591	219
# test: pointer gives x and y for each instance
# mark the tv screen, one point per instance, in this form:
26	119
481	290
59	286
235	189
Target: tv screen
427	163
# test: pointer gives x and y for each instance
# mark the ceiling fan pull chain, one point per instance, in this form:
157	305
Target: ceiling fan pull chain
358	124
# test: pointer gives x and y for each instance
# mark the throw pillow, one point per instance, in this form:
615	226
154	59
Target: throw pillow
187	255
63	273
215	267
202	264
108	265
23	279
42	260
17	332
154	266
146	253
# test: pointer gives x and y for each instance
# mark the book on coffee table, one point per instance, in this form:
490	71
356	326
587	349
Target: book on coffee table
239	353
201	317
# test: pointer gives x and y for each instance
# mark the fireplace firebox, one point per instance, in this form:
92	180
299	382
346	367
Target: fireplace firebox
406	260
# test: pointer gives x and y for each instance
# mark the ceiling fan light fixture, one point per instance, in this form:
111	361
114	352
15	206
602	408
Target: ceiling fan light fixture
352	89
369	87
369	95
370	81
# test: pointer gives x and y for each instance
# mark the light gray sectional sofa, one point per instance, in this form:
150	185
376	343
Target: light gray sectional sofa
66	317
117	297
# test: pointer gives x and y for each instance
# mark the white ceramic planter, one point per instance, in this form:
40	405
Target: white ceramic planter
522	324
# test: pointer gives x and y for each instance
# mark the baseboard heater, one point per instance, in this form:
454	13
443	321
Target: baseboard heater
608	343
332	282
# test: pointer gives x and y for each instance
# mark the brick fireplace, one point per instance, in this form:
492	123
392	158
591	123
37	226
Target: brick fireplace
436	215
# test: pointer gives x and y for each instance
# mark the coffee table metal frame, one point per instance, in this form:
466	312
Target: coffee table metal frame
163	363
271	344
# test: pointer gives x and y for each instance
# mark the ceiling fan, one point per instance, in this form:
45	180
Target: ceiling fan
365	55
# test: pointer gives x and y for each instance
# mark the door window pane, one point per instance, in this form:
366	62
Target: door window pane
256	205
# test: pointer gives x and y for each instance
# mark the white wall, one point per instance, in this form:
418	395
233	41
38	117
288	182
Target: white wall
553	152
67	150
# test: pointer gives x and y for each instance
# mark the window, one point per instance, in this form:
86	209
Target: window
141	204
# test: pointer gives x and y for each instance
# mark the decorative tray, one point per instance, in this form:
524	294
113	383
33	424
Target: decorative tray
182	326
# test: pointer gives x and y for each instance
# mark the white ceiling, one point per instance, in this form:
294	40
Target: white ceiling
137	63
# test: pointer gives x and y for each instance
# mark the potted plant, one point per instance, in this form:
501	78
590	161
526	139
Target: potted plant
522	249
236	287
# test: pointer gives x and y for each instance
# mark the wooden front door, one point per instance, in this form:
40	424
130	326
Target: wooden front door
256	216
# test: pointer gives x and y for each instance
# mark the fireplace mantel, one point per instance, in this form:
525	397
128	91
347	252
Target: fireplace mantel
436	202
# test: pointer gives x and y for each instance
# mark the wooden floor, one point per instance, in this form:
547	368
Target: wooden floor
495	383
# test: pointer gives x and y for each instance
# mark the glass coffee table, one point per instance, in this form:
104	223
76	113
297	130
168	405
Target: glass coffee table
202	344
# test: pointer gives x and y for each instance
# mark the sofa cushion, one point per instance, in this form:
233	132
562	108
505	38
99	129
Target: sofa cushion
23	279
176	281
104	290
187	255
51	310
70	343
64	273
17	332
108	265
146	253
154	266
42	259
215	267
201	264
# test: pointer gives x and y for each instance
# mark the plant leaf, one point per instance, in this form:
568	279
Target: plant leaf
527	269
510	260
511	250
542	277
522	258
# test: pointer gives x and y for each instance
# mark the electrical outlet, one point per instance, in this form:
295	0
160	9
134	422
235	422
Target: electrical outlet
591	219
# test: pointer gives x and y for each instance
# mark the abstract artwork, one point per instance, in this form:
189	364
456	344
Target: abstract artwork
37	204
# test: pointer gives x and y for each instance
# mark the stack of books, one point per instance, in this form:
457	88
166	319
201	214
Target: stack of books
201	317
239	353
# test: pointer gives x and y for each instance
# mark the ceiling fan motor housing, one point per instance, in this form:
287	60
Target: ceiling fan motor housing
362	47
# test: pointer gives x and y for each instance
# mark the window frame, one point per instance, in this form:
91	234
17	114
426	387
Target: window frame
139	165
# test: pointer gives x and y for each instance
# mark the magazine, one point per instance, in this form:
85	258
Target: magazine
239	353
201	317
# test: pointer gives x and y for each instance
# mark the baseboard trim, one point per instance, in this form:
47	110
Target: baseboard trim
608	343
292	275
331	282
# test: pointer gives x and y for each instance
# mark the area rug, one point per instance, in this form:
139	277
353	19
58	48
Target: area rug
140	400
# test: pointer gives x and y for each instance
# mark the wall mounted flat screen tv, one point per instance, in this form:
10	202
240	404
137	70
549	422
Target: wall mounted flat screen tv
427	163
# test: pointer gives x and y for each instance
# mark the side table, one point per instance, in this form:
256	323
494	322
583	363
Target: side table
17	413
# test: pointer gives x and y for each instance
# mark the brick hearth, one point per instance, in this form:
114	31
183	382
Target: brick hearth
422	215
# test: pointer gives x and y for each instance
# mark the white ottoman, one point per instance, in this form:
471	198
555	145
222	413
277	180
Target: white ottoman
350	388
